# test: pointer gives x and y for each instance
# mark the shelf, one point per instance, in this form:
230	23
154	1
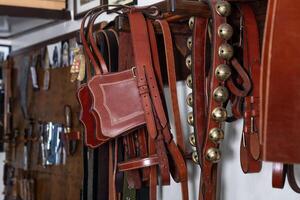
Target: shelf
14	11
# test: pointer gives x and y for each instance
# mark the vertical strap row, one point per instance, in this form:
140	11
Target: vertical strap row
218	94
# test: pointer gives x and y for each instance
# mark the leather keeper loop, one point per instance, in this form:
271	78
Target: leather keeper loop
138	163
143	90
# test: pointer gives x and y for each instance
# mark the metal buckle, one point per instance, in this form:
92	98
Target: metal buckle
133	71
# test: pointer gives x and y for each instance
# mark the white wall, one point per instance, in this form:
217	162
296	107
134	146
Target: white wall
235	185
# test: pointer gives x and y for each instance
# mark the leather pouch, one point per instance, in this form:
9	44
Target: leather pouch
117	102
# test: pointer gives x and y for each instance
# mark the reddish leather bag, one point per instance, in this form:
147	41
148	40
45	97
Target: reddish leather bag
108	92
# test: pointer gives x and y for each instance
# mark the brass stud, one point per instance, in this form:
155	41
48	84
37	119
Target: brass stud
189	81
188	61
189	100
190	118
223	8
216	135
192	139
223	72
226	51
219	114
195	157
220	94
191	22
189	43
225	31
213	155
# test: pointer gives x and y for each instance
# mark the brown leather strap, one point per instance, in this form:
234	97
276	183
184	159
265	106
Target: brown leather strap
199	82
292	179
144	59
112	189
208	190
175	157
252	64
250	147
86	45
143	62
278	175
139	163
94	46
170	61
155	56
245	79
248	163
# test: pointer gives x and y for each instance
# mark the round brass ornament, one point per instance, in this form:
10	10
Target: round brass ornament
225	31
189	100
190	118
213	155
189	43
223	72
192	139
225	51
220	94
219	114
223	8
191	22
216	135
188	61
195	157
189	81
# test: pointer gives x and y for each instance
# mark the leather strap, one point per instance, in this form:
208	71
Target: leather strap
252	64
102	65
292	179
247	85
208	184
139	163
248	163
170	63
250	147
200	104
176	160
279	174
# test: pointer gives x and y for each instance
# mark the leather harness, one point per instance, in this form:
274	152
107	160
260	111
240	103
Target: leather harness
141	145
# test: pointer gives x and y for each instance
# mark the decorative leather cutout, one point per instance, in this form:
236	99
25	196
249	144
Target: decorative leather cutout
87	118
